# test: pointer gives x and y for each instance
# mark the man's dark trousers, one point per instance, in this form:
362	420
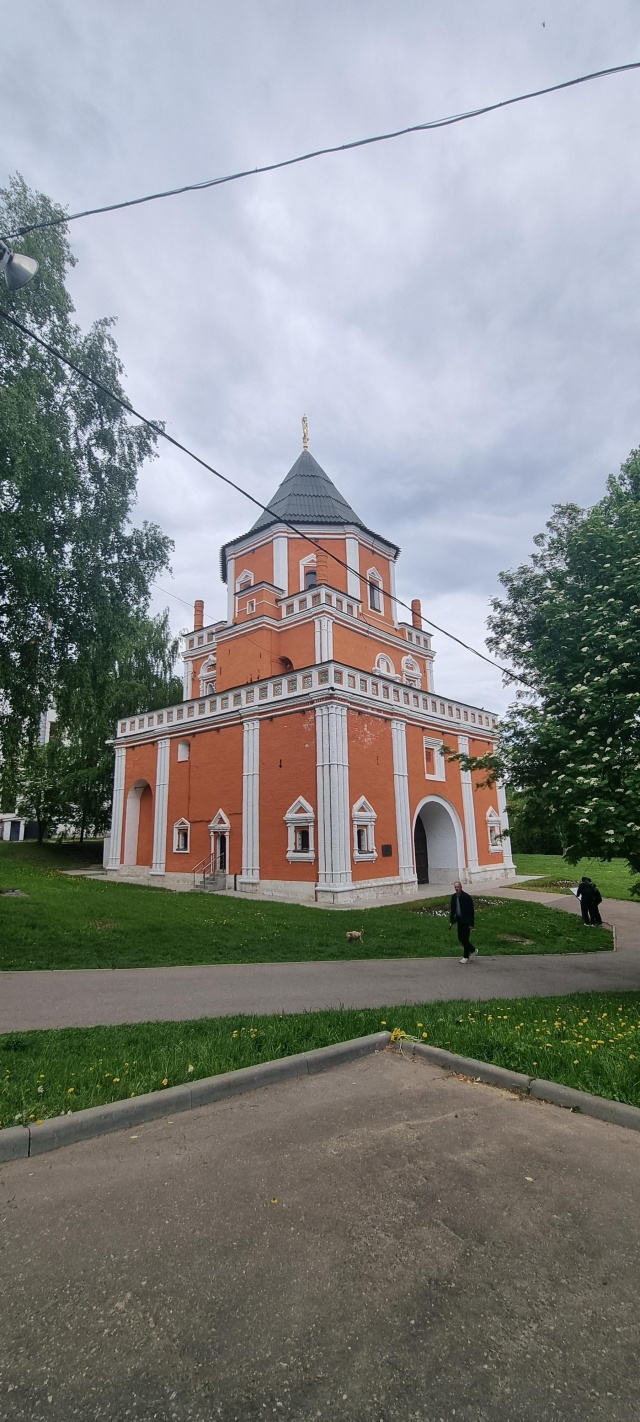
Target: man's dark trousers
464	935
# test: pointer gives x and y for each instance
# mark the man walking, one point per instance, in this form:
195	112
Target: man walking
589	895
463	915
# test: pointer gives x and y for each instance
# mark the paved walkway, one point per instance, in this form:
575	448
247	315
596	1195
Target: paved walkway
84	998
377	1243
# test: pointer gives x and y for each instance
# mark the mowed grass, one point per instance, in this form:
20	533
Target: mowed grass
614	878
590	1041
64	922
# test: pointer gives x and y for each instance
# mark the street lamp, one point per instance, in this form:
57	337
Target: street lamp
16	269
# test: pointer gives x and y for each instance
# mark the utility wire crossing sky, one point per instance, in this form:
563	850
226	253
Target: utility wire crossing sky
322	152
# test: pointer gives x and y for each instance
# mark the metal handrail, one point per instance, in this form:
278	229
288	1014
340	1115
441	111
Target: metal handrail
202	869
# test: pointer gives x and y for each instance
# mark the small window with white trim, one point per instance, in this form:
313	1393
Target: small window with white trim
244	581
374	590
181	834
183	750
434	761
494	832
251	606
300	821
308	572
364	824
384	665
411	672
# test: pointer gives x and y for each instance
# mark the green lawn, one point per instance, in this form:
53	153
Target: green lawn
64	922
614	878
590	1041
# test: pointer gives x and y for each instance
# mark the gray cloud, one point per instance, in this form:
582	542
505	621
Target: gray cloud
456	312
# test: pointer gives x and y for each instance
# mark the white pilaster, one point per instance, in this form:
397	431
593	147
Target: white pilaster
324	639
186	681
392	580
161	803
401	789
469	808
504	825
332	765
281	562
251	803
353	561
117	809
231	589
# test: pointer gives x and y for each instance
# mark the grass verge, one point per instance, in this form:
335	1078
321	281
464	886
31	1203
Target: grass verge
613	877
590	1041
62	922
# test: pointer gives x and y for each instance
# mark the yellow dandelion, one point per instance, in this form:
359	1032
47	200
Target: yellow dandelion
70	1089
165	1081
419	1024
189	1068
425	1034
116	1080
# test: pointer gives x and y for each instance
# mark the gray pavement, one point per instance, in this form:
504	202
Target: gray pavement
89	997
383	1243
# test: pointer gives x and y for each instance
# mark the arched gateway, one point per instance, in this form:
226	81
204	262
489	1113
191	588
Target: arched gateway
438	842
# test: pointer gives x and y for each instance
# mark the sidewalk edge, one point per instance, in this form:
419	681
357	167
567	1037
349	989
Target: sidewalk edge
19	1142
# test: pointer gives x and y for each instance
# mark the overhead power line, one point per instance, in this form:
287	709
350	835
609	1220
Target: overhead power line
323	152
162	434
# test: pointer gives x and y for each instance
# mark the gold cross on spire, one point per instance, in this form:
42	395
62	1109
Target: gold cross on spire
305	432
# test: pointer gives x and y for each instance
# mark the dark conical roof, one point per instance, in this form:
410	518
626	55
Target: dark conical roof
307	495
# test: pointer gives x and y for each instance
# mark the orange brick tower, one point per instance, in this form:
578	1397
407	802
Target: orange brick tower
306	758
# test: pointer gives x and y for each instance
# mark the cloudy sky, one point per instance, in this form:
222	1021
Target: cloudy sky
456	312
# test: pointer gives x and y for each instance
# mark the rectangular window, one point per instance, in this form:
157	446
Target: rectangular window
362	840
182	841
310	579
434	762
301	841
375	601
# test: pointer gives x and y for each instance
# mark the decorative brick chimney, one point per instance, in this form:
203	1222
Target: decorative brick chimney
198	614
416	612
322	566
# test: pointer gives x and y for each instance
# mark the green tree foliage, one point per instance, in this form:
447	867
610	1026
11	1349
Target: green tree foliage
74	572
570	624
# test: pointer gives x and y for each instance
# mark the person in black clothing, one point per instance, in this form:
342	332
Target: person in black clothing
463	915
589	895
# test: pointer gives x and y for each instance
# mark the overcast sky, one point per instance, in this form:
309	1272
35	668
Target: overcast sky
456	312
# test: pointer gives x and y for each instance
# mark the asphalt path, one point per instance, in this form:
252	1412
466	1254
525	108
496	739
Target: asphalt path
92	997
378	1243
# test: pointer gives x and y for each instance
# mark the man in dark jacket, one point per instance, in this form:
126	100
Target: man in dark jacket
589	895
463	915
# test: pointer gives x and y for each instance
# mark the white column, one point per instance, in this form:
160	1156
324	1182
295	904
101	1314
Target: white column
332	768
186	681
161	803
231	589
117	809
392	580
324	639
353	560
251	802
504	825
401	788
281	562
469	808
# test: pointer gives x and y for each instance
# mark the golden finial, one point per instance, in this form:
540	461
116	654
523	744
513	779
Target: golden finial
305	432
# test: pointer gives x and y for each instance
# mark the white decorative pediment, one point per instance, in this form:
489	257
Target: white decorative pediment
362	810
300	812
219	822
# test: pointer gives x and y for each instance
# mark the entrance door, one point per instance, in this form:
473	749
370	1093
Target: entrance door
14	830
222	853
422	857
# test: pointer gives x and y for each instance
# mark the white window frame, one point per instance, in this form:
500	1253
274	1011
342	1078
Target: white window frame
219	829
181	827
411	673
300	815
305	563
434	744
207	676
184	750
381	669
364	817
244	581
494	831
375	577
251	606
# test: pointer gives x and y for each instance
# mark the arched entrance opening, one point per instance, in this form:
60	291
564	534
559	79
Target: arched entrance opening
219	830
438	842
138	827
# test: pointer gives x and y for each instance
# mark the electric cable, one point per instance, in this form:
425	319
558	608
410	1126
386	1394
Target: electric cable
306	538
323	152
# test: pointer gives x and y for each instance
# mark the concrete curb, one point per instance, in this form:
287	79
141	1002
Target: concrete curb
19	1142
618	1113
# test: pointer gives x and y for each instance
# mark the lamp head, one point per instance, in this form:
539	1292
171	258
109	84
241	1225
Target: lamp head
16	269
